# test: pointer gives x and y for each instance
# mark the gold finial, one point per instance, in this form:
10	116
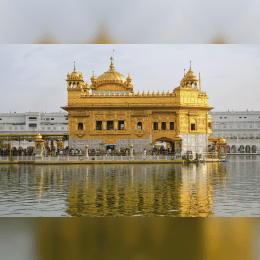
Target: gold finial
190	64
131	145
74	66
111	60
184	72
129	74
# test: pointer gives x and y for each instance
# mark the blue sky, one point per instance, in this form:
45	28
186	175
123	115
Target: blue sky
33	77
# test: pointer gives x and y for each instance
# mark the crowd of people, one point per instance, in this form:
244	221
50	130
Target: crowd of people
79	152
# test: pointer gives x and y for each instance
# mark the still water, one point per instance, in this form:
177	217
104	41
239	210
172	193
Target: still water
204	189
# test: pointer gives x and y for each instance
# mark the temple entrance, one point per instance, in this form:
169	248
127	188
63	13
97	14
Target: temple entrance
164	145
233	149
253	149
110	148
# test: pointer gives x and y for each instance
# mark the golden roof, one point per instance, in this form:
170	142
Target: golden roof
111	75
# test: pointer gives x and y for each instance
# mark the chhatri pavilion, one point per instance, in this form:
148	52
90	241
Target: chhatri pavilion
108	114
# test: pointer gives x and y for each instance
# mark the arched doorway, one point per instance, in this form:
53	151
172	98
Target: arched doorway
241	148
233	149
167	143
248	149
228	149
254	149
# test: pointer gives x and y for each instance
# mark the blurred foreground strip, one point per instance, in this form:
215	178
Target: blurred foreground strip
147	238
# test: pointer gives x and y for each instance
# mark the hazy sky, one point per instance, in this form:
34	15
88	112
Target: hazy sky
33	77
153	21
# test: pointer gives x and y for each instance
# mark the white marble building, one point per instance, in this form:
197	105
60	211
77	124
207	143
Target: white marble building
241	130
30	122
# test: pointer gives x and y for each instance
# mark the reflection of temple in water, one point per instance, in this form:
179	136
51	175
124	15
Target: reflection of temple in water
124	189
145	190
197	188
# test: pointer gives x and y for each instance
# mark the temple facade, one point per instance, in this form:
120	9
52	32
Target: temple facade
108	114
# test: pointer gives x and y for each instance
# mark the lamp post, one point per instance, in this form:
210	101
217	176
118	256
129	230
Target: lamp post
86	146
131	151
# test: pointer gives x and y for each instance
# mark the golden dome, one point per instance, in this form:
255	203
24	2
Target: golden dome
128	94
222	139
74	73
93	78
190	76
111	75
129	78
178	137
131	145
113	94
86	146
138	94
38	137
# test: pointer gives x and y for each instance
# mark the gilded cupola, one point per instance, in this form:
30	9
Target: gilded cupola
189	79
111	80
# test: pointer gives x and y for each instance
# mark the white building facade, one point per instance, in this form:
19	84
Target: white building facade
241	130
31	122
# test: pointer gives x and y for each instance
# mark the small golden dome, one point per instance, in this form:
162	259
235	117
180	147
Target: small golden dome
138	94
98	94
178	137
86	146
129	79
128	94
133	94
113	94
94	95
153	94
74	73
131	145
158	93
108	94
163	94
104	94
118	94
143	94
123	94
148	94
168	94
222	139
39	137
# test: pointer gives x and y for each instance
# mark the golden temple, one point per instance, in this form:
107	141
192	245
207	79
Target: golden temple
108	113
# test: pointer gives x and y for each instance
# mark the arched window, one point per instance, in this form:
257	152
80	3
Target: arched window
139	126
80	126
